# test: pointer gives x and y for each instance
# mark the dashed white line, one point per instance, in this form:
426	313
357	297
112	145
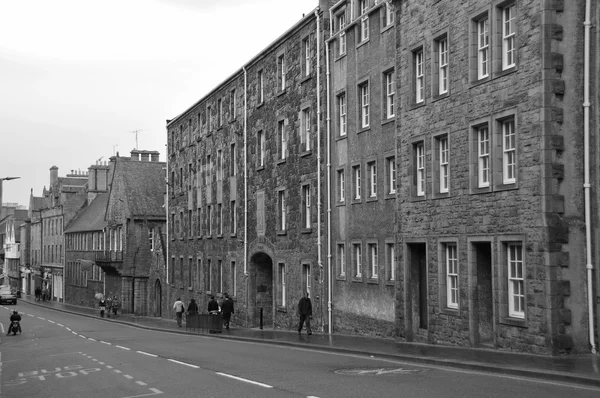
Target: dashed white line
33	316
245	380
73	332
186	364
101	363
51	321
69	329
106	342
43	319
141	383
89	338
123	348
128	377
147	353
95	360
117	371
82	336
60	325
109	367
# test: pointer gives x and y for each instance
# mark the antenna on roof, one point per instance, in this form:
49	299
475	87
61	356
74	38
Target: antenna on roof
136	137
99	160
115	148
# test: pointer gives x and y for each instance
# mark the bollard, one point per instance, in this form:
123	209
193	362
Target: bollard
261	319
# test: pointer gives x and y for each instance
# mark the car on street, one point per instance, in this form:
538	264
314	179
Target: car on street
7	295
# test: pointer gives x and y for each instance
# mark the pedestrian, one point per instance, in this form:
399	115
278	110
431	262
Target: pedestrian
192	308
109	304
44	293
102	306
213	306
179	308
115	305
38	293
227	308
305	312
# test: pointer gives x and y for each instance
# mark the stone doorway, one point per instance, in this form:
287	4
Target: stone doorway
157	299
261	290
418	291
483	303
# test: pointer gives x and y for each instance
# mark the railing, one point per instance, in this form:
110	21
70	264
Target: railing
108	256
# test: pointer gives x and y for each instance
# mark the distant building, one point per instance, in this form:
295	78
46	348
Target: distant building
10	238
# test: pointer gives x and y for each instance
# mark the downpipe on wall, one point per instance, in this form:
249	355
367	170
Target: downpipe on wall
319	234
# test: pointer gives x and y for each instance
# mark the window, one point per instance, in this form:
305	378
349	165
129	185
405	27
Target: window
208	279
442	45
220	218
209	220
451	267
357	252
306	202
363	6
509	152
420	164
388	15
516	281
199	221
508	37
282	140
190	272
444	163
190	135
372	170
190	223
306	282
208	119
219	112
390	92
219	165
233	276
341	21
281	72
341	100
181	225
232	105
305	128
373	258
281	210
233	217
419	77
483	157
208	170
220	263
181	178
190	177
198	272
150	238
391	175
391	261
281	286
181	273
261	148
261	87
306	55
483	48
363	91
356	179
232	161
341	252
341	186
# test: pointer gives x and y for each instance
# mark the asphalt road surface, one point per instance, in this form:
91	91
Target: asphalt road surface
66	355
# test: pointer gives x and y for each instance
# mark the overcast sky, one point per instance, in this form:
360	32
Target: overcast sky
77	77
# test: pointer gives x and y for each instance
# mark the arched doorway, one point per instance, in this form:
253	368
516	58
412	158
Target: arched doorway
157	299
261	290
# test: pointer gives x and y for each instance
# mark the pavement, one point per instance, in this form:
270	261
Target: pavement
581	369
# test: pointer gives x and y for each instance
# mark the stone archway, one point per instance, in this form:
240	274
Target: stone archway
261	289
157	299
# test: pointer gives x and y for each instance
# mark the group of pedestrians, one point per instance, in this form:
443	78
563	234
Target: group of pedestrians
42	294
213	308
110	305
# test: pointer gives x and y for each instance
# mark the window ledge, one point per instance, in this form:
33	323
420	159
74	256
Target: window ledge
281	161
259	168
388	120
220	128
281	232
373	281
306	78
363	129
340	57
371	199
441	195
440	96
356	201
518	322
415	105
387	27
339	203
306	153
450	311
477	190
391	195
260	104
506	187
281	309
505	72
233	120
306	230
208	236
191	238
477	82
280	92
190	288
362	43
208	133
390	283
220	236
233	235
341	137
415	198
341	277
356	279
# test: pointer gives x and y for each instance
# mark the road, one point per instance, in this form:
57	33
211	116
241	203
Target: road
66	355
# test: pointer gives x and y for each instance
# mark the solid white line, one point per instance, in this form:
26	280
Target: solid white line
141	383
89	338
105	342
51	321
60	325
147	353
123	348
129	377
245	380
186	364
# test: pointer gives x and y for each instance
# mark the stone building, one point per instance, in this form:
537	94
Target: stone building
25	273
491	148
10	238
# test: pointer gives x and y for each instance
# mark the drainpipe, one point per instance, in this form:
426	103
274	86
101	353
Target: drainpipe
329	282
246	189
319	235
586	185
167	210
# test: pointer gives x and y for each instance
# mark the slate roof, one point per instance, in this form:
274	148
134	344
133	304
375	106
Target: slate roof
144	187
92	216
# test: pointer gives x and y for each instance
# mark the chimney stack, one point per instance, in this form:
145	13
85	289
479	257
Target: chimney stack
53	176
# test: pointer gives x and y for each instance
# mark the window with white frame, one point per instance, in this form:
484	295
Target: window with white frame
261	148
208	118
372	170
190	272
509	152
306	202
306	54
483	157
219	164
306	282
281	285
390	94
232	161
221	276
391	261
220	217
363	91
233	217
388	15
374	259
391	175
357	182
341	186
281	210
420	165
444	157
282	139
341	22
483	48
342	112
341	252
363	6
419	77
261	87
209	220
233	276
281	72
508	36
150	238
219	112
451	266
232	105
305	126
208	173
209	274
190	223
516	280
198	272
357	252
443	65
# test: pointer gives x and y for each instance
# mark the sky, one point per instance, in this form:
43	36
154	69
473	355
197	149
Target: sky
78	77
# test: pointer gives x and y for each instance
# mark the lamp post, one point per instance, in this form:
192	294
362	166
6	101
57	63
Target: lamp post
1	182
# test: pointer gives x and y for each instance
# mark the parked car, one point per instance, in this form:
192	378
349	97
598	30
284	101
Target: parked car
7	295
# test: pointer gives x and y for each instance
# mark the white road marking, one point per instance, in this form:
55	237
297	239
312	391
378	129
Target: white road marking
73	332
33	316
147	353
245	380
60	325
43	319
101	363
186	364
89	338
106	342
95	360
155	391
51	321
109	367
117	371
129	377
82	336
123	348
141	383
2	327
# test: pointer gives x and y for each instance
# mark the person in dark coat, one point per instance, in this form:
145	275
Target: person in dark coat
305	312
227	308
192	308
213	306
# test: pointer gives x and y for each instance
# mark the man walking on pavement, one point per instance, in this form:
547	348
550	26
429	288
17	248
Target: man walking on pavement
305	312
179	307
227	308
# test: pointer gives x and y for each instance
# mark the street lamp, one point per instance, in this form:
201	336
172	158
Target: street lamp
1	181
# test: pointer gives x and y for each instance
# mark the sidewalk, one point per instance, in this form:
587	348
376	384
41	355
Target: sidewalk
580	369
